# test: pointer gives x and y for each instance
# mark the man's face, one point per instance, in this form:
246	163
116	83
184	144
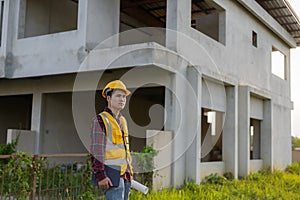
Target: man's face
117	100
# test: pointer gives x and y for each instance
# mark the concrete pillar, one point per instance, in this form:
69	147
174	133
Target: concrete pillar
9	24
178	20
37	118
3	29
193	125
230	131
183	114
22	18
244	131
266	135
175	107
102	22
170	113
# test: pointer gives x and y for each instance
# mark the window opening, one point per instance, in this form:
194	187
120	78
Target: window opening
211	135
209	19
42	17
278	63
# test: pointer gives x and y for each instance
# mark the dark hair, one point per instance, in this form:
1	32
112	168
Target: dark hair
108	92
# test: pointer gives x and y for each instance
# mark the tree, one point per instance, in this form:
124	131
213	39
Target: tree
295	142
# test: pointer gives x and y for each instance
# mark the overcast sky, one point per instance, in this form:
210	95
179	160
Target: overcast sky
295	80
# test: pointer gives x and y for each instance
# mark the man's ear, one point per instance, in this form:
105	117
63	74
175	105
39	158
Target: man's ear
108	98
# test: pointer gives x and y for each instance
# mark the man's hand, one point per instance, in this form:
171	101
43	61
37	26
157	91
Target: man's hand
105	183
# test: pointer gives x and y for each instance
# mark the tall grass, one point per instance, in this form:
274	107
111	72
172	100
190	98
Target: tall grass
262	185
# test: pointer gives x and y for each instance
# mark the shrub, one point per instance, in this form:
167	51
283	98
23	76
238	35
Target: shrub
8	149
143	165
228	176
214	179
294	168
262	185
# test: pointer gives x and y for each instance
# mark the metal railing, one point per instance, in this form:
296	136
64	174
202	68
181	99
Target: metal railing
46	176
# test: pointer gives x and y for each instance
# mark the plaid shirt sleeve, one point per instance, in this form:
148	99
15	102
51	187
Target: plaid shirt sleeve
97	148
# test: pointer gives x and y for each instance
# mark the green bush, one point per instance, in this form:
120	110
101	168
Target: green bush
8	149
214	179
294	168
295	142
143	165
262	185
228	176
17	176
52	181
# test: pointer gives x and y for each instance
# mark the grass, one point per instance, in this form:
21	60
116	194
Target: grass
262	185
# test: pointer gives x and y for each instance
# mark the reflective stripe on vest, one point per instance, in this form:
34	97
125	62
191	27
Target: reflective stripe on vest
115	162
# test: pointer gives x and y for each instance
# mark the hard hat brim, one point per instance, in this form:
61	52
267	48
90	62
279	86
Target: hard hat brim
127	92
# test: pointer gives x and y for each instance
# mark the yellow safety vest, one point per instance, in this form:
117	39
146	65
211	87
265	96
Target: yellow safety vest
115	152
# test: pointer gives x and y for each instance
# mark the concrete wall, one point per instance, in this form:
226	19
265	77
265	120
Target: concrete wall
48	55
233	58
162	142
102	23
209	168
213	95
281	133
256	108
59	134
26	141
256	165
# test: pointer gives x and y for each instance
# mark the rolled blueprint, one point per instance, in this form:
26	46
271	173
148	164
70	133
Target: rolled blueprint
140	187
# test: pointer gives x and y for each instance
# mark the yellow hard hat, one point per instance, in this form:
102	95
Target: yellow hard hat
116	84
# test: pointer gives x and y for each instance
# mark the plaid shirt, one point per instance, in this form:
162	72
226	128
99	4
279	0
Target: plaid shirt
98	144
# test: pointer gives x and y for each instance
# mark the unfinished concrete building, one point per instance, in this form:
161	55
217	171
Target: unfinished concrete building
205	86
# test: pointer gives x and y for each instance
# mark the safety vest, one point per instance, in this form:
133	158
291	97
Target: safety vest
117	143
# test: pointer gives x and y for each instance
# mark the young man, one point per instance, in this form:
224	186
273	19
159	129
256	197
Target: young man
110	154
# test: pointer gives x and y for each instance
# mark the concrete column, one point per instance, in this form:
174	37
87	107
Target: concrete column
288	69
193	125
178	20
244	133
102	23
9	29
176	107
230	131
37	118
184	120
22	18
266	135
2	52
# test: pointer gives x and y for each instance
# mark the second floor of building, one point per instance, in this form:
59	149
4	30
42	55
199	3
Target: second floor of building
247	39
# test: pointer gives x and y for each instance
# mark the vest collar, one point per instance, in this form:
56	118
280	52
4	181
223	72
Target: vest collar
112	114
